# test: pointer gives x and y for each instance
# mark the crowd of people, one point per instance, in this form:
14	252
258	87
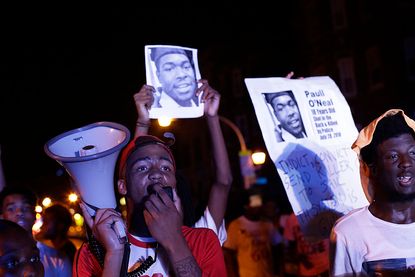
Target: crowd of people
164	238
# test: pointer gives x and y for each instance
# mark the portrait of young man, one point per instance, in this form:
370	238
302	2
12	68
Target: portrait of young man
289	124
173	73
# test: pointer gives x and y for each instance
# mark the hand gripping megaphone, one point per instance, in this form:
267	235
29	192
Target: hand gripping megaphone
89	154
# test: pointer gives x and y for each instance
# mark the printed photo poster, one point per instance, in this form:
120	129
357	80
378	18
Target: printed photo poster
308	130
173	71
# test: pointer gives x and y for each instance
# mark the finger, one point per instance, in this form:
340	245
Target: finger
208	92
165	198
152	205
290	75
142	97
103	215
151	88
203	87
107	221
119	227
203	81
147	216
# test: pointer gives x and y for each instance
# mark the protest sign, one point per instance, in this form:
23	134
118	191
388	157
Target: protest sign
308	130
173	71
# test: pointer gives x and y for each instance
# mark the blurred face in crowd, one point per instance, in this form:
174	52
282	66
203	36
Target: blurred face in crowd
19	255
17	208
287	113
177	77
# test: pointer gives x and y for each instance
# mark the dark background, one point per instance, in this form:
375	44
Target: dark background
66	67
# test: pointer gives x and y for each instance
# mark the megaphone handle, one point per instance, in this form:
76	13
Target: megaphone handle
120	230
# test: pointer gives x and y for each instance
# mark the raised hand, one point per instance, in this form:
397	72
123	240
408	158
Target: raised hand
144	99
162	218
291	74
210	97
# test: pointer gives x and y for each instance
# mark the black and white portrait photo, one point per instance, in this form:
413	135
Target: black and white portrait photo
286	116
173	71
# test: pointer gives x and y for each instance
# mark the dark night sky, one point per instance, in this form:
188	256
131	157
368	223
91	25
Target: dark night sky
63	68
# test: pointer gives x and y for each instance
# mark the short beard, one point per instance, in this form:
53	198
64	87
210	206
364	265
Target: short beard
396	197
138	225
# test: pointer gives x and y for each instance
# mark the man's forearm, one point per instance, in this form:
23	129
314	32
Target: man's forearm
187	267
182	260
220	188
220	153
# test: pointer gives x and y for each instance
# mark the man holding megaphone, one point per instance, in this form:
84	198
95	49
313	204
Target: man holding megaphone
160	244
214	213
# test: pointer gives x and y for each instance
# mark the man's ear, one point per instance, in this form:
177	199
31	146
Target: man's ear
372	170
122	187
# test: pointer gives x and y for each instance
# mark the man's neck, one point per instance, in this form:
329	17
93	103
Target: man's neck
396	212
137	225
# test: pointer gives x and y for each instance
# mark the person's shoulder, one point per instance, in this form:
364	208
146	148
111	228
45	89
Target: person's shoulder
85	251
201	240
193	231
85	262
45	246
199	235
351	220
69	244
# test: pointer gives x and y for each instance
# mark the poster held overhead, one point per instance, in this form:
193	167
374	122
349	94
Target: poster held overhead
308	130
173	71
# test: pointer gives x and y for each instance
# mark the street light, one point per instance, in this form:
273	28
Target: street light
46	202
164	121
258	158
73	197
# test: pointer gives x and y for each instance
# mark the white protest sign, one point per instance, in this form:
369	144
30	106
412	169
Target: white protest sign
173	71
308	130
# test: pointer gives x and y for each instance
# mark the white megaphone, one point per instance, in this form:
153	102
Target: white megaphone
89	155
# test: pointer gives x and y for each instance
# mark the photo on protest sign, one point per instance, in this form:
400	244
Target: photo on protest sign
308	130
173	71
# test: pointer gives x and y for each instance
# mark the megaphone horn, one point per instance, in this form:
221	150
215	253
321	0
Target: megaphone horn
89	155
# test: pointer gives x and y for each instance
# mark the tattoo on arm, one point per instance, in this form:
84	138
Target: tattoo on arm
187	267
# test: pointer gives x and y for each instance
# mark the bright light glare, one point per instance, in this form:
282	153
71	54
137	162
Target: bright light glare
73	197
38	209
123	202
258	158
164	121
36	227
79	220
46	202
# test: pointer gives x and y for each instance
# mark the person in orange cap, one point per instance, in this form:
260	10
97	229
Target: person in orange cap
158	242
379	239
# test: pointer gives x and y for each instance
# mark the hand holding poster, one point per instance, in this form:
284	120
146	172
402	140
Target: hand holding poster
173	71
308	130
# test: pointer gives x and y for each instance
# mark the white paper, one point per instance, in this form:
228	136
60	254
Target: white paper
165	106
320	172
